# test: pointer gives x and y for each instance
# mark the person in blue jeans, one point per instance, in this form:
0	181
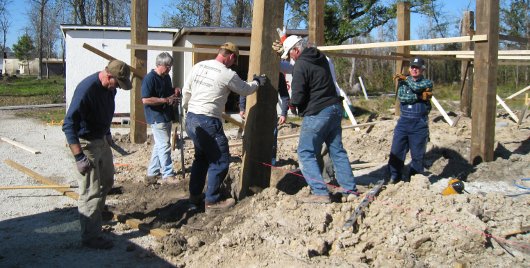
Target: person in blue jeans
204	96
412	129
284	106
159	99
314	94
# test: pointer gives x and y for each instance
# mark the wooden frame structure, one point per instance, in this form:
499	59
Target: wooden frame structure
259	105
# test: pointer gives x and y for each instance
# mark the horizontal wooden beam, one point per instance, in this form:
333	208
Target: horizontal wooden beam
426	56
363	56
181	49
460	39
516	58
466	52
110	58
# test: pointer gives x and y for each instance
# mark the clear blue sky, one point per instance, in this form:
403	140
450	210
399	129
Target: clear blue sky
19	11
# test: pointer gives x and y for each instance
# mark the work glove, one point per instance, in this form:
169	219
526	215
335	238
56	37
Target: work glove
261	79
427	94
109	140
399	76
173	100
293	110
278	47
282	33
83	164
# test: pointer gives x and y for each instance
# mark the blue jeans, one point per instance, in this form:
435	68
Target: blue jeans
161	156
411	133
212	156
324	127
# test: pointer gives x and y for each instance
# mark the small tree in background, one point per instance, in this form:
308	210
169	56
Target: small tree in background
24	50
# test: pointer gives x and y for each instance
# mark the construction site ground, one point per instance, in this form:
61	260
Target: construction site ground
409	224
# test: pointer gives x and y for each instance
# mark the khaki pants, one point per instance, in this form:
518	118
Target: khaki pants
94	186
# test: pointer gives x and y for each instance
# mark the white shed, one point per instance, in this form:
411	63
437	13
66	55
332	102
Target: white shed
81	62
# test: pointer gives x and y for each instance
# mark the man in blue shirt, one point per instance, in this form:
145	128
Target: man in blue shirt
87	129
159	99
412	129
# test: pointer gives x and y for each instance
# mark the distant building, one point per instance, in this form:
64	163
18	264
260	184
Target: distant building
13	66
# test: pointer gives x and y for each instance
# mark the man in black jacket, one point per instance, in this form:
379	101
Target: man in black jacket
314	94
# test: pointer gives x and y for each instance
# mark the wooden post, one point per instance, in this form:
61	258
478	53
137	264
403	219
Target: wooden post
316	22
139	62
403	27
485	83
261	106
466	72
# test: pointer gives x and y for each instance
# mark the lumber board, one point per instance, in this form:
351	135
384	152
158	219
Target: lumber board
364	89
503	104
22	187
181	49
232	120
466	52
509	57
442	111
109	58
518	92
40	178
20	145
363	56
406	43
137	224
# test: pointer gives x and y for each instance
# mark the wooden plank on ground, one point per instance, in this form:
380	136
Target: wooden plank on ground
503	104
20	187
20	145
41	179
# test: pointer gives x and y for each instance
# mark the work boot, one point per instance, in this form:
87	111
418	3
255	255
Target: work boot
394	180
98	243
220	206
151	179
317	199
169	180
196	199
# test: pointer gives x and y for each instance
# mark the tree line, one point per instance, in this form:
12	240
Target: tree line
346	21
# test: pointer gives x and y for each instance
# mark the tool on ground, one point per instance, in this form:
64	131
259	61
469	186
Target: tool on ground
181	140
359	210
454	186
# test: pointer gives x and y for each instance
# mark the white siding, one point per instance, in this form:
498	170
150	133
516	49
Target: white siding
81	62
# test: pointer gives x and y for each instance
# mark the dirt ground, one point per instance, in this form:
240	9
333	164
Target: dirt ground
410	224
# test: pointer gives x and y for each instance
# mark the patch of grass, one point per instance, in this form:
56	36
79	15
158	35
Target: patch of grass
48	115
31	86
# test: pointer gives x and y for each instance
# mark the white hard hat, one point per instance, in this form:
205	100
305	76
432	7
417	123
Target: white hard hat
288	44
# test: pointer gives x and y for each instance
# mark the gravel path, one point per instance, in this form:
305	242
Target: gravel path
40	227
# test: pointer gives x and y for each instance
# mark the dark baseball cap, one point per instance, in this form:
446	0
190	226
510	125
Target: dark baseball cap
418	62
121	71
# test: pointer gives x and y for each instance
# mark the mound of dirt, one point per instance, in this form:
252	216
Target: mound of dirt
408	224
